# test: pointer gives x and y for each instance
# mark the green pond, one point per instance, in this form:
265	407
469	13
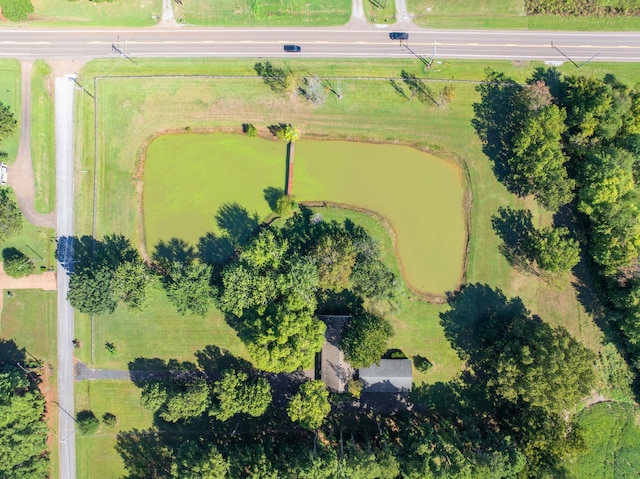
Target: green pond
187	178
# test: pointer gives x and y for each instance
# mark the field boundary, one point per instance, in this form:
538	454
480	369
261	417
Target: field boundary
138	173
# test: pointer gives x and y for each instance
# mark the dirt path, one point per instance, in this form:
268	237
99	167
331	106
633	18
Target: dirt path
45	281
21	172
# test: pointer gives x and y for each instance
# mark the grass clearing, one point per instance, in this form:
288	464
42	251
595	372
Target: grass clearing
131	111
29	318
124	13
10	95
42	137
425	207
612	435
272	13
96	454
159	332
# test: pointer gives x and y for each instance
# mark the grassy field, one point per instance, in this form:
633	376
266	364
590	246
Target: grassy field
612	436
29	318
157	333
263	12
125	13
42	137
10	95
96	454
380	11
368	111
37	243
506	14
423	206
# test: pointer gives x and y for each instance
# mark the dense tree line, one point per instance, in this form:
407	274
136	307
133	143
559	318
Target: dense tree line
23	431
506	416
586	152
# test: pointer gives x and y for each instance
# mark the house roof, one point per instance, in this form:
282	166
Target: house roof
334	370
391	375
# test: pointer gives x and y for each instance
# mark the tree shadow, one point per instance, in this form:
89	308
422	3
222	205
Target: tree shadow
237	222
272	195
418	88
515	229
214	361
144	453
273	77
143	370
342	303
215	251
10	353
87	252
397	87
175	250
497	115
471	306
551	77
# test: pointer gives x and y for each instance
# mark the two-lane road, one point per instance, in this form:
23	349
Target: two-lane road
319	42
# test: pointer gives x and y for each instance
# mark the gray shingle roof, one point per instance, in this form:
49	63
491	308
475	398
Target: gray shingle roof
391	375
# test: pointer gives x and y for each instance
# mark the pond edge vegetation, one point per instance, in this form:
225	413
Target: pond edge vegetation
467	200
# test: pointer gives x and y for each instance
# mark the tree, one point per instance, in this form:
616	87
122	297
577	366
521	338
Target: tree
16	263
310	405
131	283
537	163
23	431
91	291
7	120
188	288
365	339
236	393
554	251
335	257
284	340
10	215
199	461
186	401
87	422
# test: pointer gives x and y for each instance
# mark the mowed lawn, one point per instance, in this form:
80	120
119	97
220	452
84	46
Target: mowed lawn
419	194
263	12
159	332
96	454
129	13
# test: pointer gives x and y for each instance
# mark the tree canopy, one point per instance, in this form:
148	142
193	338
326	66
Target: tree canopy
310	405
236	393
365	339
10	216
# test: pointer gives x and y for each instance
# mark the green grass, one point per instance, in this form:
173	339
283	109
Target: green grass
36	242
96	454
419	194
42	137
506	14
10	95
159	332
612	436
263	12
29	318
125	13
375	14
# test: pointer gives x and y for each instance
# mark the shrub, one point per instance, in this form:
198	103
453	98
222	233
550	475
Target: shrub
16	263
87	422
285	205
422	364
394	354
249	130
354	387
109	420
16	10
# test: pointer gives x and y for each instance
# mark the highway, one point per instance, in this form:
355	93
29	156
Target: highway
339	42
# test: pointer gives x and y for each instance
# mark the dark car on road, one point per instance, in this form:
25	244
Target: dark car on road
292	48
399	36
